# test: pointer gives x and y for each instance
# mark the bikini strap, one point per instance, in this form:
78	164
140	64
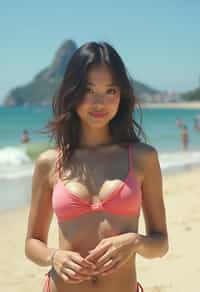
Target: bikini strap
130	157
47	282
58	163
139	287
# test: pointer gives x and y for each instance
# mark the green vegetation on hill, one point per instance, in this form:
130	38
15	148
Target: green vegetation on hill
37	92
192	95
140	88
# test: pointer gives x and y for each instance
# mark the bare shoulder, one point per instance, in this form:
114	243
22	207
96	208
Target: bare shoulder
46	159
145	151
47	156
145	155
45	164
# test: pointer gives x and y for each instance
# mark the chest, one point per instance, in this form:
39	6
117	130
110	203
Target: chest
95	178
103	184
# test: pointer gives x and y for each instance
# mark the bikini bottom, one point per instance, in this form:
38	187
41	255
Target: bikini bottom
47	284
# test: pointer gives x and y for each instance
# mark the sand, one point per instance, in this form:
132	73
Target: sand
178	271
171	105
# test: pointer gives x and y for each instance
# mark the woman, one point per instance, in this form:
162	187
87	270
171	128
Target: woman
96	181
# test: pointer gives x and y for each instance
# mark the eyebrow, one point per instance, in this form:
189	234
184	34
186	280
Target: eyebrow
108	85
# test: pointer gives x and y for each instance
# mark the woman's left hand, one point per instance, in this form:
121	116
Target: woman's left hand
113	252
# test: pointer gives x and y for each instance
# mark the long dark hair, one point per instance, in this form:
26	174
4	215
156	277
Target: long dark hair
64	128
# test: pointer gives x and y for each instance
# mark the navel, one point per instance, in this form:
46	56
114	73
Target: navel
95	280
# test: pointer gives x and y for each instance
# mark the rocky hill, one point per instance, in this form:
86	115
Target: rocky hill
193	95
43	86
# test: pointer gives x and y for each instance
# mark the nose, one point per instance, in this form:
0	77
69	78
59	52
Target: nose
99	98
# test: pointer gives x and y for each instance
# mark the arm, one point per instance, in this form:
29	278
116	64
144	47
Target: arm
69	265
40	214
155	242
113	252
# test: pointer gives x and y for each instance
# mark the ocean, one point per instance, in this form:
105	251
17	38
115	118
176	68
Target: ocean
16	159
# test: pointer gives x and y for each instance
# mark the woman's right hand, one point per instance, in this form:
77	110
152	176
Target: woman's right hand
71	267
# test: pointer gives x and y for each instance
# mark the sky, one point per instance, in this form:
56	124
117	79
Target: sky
159	41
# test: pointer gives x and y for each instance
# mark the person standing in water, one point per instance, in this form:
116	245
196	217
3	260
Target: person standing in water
25	137
185	137
96	181
197	124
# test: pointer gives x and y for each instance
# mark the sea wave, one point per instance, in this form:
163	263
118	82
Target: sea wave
178	160
13	156
14	163
18	161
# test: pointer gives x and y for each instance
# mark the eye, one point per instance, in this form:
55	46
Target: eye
112	91
89	90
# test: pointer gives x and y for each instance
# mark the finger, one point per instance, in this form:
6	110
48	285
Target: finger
96	253
67	279
84	262
104	258
79	269
108	265
70	273
73	275
110	270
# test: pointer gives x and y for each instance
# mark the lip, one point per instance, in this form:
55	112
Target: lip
98	114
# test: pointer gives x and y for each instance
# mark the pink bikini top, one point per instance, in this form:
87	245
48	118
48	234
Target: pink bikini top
124	200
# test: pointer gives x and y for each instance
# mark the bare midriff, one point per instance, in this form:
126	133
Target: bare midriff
82	234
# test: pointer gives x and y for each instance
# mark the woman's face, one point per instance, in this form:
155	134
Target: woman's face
101	100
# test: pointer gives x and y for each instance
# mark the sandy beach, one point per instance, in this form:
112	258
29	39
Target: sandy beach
171	105
178	271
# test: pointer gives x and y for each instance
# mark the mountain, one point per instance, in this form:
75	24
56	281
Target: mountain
43	86
41	89
192	95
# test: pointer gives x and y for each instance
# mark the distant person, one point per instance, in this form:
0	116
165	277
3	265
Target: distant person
197	124
185	137
25	137
179	123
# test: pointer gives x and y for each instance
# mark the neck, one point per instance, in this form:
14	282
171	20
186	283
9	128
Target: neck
93	138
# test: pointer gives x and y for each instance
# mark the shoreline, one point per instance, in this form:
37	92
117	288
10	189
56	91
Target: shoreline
153	104
172	105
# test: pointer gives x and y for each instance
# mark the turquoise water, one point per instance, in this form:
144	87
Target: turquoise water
14	120
159	125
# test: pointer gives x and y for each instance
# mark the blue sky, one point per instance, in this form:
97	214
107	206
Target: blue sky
159	41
